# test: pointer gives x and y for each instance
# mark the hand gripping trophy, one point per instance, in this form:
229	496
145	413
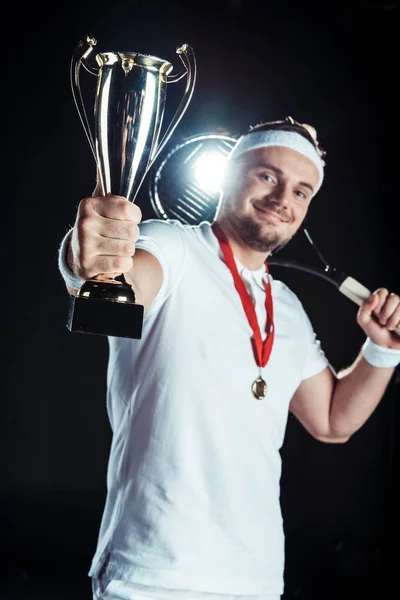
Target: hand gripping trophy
128	112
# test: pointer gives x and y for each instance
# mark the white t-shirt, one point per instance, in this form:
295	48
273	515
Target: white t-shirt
194	468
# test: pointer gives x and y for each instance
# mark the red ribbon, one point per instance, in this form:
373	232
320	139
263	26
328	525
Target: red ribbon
262	350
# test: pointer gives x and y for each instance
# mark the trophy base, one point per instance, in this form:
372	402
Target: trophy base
103	317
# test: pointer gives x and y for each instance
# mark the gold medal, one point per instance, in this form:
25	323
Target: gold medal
259	388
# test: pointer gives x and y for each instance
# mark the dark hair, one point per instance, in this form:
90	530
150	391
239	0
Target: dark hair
289	124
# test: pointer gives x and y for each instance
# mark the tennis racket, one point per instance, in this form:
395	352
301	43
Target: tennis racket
348	286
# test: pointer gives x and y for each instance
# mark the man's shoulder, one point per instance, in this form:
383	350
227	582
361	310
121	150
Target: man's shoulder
171	227
285	294
154	224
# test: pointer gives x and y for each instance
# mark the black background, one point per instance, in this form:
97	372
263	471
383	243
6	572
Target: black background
333	65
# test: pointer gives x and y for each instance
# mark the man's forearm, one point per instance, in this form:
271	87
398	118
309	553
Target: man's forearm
358	391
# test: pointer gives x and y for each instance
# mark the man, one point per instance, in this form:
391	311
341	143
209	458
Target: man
198	407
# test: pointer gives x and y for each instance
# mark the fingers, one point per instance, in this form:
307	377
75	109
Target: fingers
387	309
381	294
97	254
110	216
113	247
106	264
104	235
113	207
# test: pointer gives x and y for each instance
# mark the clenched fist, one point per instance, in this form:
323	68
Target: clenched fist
379	317
104	236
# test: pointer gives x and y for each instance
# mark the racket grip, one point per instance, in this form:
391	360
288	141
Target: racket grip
357	292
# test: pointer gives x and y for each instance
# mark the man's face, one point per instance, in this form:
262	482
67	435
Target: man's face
267	193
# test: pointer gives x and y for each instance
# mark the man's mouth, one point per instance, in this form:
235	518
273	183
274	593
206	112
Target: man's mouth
269	214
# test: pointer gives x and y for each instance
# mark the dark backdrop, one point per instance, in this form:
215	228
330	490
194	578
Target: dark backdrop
333	65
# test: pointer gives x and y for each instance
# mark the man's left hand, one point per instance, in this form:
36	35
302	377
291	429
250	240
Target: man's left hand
379	316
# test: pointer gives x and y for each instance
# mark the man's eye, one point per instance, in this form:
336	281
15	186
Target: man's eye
300	194
267	177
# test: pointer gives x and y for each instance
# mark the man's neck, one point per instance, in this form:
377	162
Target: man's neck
249	258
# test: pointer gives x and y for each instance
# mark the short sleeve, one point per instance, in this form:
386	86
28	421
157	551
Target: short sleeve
165	241
316	360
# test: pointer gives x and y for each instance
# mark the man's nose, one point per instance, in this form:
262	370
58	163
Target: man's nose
280	195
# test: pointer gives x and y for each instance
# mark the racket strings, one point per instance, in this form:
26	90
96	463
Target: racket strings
176	192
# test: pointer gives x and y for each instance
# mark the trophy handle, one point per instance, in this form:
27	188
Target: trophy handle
81	52
186	55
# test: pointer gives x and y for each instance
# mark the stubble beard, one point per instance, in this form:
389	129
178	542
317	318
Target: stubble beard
255	235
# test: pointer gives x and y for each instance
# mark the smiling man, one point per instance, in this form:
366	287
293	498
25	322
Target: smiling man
198	407
268	185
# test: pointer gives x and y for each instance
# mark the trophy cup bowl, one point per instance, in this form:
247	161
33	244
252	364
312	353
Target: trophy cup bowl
128	113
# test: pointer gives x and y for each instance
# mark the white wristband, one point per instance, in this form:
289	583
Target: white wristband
69	277
380	357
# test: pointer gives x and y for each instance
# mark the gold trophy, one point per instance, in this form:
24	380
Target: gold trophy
128	112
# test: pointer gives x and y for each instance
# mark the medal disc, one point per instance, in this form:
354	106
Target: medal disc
259	388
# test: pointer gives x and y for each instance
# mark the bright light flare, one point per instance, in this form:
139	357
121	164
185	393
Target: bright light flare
209	170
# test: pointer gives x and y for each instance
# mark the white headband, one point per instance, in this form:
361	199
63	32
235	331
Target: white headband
288	139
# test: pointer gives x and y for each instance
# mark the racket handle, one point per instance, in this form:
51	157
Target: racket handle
357	293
